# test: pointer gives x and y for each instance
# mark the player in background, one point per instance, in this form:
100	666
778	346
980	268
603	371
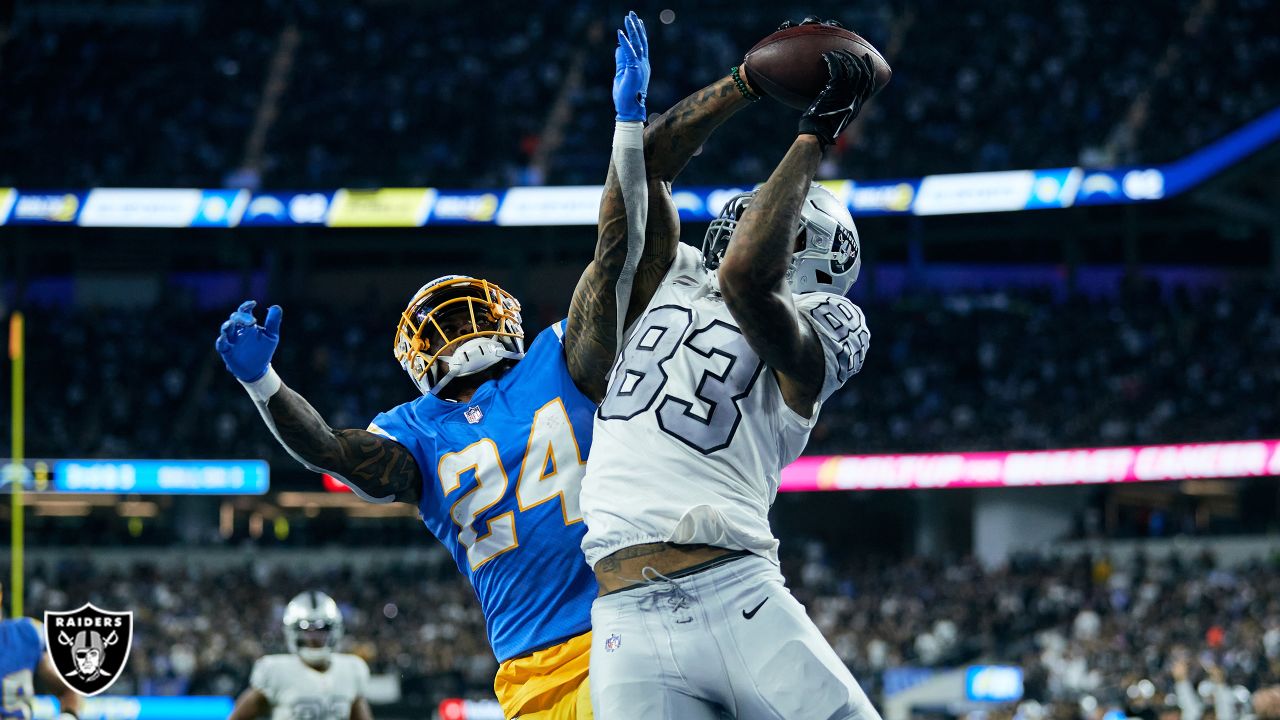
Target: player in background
24	657
312	681
492	454
717	388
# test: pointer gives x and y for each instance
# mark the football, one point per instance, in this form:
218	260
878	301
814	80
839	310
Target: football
788	64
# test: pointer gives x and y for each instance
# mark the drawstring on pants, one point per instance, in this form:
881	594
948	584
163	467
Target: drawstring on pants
678	599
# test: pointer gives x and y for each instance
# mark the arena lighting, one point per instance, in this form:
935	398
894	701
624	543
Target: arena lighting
459	709
1077	466
319	499
63	508
370	510
333	484
137	509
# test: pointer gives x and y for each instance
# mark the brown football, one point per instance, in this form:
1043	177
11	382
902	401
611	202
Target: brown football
788	65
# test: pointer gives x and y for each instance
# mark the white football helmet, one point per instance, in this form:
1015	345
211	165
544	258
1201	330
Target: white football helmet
312	626
827	254
482	318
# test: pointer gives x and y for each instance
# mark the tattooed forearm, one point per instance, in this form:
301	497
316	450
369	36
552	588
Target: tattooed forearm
765	237
591	336
381	467
669	142
677	134
753	274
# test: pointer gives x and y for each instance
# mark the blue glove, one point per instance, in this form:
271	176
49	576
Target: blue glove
245	346
631	81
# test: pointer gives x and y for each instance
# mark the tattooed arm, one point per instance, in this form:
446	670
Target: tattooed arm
669	142
379	466
376	468
753	274
753	278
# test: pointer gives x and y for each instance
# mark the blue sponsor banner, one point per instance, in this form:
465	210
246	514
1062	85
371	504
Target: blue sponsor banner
124	707
1122	186
993	683
1100	187
881	197
287	209
221	208
1055	188
1182	175
951	194
460	207
162	477
33	207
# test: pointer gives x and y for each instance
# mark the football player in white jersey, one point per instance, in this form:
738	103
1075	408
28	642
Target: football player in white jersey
718	385
312	681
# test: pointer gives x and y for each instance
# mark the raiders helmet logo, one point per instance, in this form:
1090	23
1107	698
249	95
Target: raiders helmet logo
88	646
844	251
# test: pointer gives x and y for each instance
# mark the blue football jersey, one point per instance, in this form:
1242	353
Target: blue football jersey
501	475
21	646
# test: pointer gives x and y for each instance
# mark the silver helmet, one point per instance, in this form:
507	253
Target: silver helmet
827	254
312	626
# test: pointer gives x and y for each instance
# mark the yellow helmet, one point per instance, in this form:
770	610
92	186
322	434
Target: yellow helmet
476	320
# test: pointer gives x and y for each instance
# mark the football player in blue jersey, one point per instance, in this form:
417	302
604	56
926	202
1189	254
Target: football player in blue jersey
23	658
493	453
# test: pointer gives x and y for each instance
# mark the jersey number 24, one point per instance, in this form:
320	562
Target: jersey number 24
552	469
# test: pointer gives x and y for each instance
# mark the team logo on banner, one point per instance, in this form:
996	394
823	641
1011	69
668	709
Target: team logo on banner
88	646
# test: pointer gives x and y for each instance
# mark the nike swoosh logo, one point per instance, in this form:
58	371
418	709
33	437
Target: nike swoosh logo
754	610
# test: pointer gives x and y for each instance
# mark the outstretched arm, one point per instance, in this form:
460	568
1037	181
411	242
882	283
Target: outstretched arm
753	274
376	468
591	339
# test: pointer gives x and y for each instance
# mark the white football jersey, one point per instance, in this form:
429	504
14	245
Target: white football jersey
693	433
298	691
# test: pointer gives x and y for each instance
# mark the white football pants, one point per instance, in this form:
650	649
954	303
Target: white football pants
726	642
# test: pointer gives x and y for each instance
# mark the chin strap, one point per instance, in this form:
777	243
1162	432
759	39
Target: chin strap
471	357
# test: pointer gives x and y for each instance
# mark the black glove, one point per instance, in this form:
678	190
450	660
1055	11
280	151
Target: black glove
809	20
851	82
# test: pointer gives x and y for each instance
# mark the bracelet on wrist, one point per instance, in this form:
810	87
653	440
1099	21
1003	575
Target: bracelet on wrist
742	85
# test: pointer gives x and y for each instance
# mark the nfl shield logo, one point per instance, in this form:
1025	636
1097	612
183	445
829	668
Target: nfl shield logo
613	642
88	646
473	414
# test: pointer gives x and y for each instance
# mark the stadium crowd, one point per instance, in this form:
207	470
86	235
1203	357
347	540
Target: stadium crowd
1080	628
453	94
1001	370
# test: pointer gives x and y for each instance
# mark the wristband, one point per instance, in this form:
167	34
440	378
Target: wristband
264	387
628	135
742	85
